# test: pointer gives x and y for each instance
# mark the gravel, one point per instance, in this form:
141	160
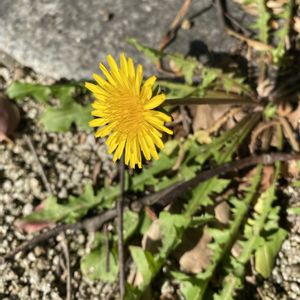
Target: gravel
68	160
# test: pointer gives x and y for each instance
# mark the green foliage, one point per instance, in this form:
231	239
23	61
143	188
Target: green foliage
262	236
285	17
19	91
60	119
211	78
69	212
270	111
263	21
266	254
296	184
190	286
55	119
172	227
93	265
146	263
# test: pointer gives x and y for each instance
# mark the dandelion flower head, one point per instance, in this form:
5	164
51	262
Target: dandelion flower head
124	110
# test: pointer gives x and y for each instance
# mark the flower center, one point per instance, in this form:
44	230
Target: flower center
129	113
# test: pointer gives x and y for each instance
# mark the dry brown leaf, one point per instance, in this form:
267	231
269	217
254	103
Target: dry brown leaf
267	177
152	238
222	212
96	171
297	24
294	117
284	109
289	134
205	116
198	258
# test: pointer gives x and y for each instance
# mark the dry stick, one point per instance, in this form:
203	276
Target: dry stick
120	211
175	24
167	195
288	132
41	170
199	101
161	197
258	130
68	266
91	224
106	248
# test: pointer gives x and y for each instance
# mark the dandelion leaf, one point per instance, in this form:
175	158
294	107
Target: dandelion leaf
266	254
93	265
19	91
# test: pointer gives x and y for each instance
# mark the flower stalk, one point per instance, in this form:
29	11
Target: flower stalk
120	216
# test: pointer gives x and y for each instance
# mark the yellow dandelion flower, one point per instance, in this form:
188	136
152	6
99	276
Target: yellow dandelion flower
124	111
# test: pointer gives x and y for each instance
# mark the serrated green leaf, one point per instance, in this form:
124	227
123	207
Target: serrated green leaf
145	262
198	221
262	21
132	292
171	227
61	119
93	265
131	222
18	91
266	254
147	177
69	212
284	21
190	287
153	54
187	65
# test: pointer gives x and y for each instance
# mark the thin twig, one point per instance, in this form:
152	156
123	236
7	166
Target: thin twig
120	211
260	46
91	224
199	101
288	132
258	130
107	265
64	244
162	197
41	169
168	37
169	194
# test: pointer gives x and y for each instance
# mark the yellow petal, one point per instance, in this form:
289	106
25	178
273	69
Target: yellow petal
146	93
151	146
144	146
98	113
127	152
123	64
107	74
102	82
138	79
131	71
93	87
97	122
155	101
119	150
105	130
150	81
